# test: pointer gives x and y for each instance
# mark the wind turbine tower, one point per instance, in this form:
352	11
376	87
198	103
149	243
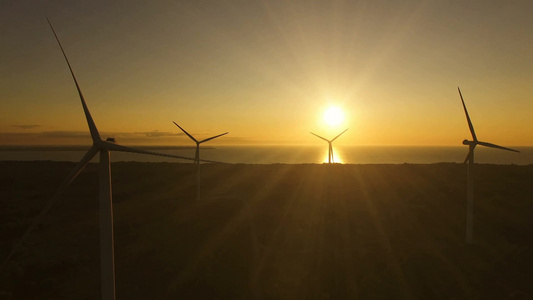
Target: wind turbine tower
330	144
197	155
470	172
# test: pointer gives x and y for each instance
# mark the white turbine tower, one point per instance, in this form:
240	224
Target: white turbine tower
470	173
330	148
197	155
107	263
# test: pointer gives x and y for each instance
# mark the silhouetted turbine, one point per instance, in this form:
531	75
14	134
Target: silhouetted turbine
106	206
330	148
197	155
470	172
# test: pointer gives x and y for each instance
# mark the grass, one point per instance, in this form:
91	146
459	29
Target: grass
272	232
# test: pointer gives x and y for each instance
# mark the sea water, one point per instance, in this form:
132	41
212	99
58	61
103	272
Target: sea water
287	154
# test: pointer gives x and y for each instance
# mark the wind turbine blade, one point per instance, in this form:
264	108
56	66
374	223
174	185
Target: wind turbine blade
468	117
319	137
192	138
497	146
92	127
213	137
73	174
115	147
339	135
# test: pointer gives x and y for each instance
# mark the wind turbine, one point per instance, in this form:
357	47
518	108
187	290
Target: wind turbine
470	172
107	263
197	156
330	149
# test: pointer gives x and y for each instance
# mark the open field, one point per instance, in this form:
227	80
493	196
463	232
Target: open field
272	232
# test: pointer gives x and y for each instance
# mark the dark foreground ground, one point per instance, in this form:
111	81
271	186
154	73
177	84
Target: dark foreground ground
272	232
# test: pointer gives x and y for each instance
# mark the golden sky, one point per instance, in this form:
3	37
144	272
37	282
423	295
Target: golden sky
267	70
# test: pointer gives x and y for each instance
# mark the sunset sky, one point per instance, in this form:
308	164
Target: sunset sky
267	70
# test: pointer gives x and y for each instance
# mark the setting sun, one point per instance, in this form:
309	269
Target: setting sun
333	116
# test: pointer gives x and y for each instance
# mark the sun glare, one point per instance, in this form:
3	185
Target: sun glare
333	116
337	158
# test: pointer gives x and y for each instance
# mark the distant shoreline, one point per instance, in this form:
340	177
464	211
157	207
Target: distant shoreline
172	147
85	148
333	165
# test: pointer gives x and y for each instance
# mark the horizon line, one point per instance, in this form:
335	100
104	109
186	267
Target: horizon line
183	146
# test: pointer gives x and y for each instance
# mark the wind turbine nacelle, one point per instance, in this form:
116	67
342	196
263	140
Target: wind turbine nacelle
467	142
110	139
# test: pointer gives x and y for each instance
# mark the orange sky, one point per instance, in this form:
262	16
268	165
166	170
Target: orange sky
266	70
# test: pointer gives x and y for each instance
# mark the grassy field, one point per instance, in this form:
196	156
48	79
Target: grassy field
272	232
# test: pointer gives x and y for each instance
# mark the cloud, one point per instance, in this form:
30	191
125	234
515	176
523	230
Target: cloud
66	134
47	137
154	137
157	134
26	126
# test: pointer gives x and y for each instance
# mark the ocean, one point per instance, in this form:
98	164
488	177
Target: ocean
286	154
